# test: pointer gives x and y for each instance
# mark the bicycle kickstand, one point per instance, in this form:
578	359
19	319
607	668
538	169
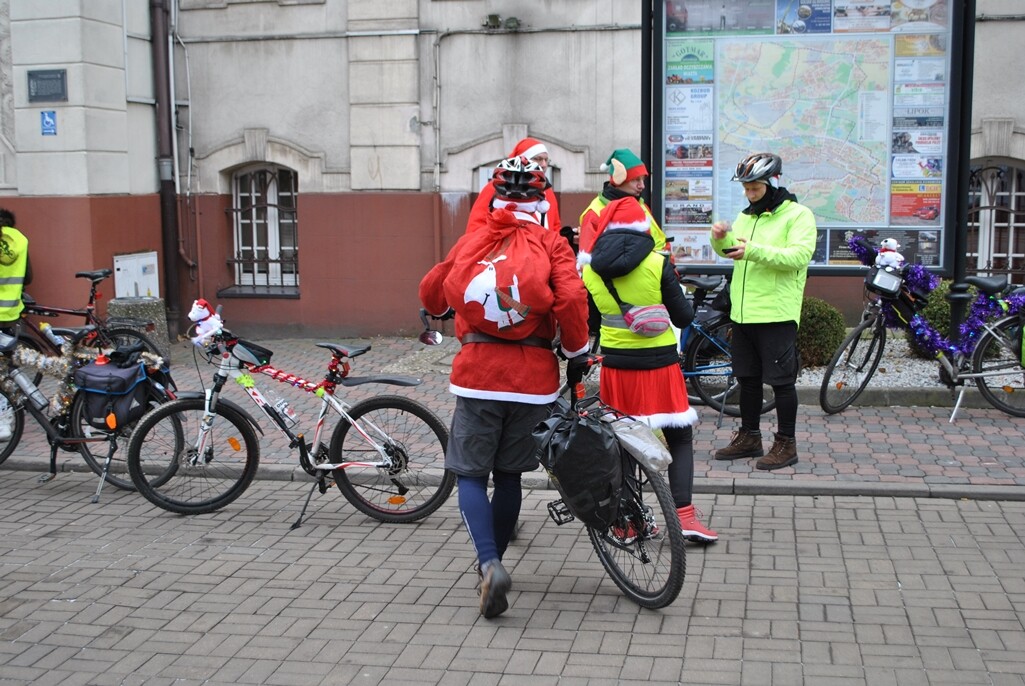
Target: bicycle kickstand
319	482
730	383
53	465
957	404
106	467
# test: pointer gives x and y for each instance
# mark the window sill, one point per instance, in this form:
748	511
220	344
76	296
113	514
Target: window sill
285	292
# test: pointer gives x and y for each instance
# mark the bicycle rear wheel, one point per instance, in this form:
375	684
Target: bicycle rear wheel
708	366
121	336
651	568
852	366
13	417
998	357
416	483
175	471
118	474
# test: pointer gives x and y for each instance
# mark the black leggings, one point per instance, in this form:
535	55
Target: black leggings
681	471
751	405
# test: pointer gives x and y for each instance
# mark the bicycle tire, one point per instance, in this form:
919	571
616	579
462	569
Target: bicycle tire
117	475
418	484
853	365
650	570
116	337
17	420
998	356
163	445
708	366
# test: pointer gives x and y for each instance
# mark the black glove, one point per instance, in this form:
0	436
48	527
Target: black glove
449	314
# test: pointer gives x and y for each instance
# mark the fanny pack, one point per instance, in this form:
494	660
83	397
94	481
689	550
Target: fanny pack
643	320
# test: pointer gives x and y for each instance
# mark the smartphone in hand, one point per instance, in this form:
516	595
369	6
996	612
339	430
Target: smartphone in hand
731	249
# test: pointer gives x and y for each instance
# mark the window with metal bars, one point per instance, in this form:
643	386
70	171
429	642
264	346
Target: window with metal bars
996	220
266	231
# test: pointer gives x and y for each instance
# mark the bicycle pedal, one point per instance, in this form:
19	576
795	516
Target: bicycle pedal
559	512
324	484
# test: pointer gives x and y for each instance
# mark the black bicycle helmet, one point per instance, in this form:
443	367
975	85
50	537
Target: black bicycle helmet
760	166
517	178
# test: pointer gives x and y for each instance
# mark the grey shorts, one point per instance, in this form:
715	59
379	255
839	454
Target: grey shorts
490	435
768	351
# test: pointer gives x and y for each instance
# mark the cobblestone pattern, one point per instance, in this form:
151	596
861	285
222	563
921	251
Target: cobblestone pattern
816	590
869	449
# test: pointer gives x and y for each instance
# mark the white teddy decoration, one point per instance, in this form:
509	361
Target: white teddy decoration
207	322
888	255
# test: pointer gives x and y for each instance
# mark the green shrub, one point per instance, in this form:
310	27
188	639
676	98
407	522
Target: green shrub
937	313
821	333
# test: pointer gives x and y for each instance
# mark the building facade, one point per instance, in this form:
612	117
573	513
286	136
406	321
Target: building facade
321	155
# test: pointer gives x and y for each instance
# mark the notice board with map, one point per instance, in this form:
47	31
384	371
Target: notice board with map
855	96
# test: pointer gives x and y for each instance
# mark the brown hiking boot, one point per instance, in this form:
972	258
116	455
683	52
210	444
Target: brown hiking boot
782	454
743	444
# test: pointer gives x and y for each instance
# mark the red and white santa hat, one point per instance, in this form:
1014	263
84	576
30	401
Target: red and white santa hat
529	148
625	214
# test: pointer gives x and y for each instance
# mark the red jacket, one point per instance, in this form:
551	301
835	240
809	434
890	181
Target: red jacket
510	280
479	211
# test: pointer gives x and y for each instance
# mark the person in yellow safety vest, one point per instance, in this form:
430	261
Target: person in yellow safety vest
626	179
15	272
15	269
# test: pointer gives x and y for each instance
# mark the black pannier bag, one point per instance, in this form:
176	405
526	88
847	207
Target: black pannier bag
114	396
582	455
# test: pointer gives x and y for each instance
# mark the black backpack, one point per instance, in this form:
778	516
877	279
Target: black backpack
115	396
583	458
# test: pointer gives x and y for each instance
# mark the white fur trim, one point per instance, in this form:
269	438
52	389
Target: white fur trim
570	354
673	419
543	206
582	259
603	167
639	227
517	205
534	150
528	398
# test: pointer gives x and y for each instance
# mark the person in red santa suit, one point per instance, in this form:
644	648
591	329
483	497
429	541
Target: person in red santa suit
511	285
535	151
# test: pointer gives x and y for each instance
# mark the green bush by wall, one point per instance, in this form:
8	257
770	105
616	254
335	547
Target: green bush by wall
821	332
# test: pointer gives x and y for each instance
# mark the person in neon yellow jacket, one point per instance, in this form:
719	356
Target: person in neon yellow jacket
771	244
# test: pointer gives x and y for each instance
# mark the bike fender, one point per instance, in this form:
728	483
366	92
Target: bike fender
233	405
393	379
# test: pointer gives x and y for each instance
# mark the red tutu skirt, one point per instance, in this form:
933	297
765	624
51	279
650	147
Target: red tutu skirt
656	396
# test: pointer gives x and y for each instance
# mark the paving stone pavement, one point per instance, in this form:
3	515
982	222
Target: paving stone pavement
801	589
891	553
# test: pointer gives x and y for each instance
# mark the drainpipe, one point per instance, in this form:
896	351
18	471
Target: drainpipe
165	161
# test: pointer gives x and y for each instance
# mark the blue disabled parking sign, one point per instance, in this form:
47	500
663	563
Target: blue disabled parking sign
48	122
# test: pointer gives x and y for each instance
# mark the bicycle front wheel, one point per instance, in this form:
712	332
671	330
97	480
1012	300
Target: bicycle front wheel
94	452
998	359
649	564
178	467
852	366
708	366
12	424
414	482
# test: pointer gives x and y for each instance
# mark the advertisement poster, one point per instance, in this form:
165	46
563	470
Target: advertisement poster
926	45
915	204
917	167
689	108
919	15
688	62
918	141
861	16
692	246
810	16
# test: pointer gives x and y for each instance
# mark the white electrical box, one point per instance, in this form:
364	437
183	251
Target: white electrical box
136	275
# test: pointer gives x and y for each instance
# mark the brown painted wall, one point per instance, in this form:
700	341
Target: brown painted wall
68	235
362	256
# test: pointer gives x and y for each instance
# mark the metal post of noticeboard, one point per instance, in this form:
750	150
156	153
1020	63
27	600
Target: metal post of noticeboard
958	295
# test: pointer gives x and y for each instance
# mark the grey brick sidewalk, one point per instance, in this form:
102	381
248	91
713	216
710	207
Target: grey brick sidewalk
815	590
895	443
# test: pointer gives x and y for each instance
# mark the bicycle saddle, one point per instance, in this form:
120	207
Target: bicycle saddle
706	283
344	351
991	285
95	276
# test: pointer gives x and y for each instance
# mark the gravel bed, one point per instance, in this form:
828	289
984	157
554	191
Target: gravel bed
899	368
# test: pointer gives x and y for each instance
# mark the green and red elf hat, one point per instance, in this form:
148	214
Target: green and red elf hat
623	165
